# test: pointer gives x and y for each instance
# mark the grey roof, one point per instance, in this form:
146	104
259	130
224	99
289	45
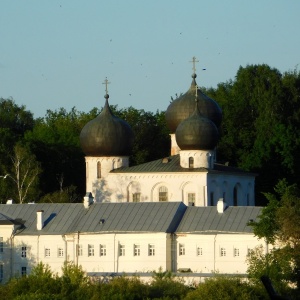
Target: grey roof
59	218
133	217
99	217
207	219
172	164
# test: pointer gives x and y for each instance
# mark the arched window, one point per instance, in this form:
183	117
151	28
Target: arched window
98	169
191	162
163	194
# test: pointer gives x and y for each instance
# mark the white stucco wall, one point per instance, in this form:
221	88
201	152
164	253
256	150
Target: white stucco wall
37	246
217	252
5	251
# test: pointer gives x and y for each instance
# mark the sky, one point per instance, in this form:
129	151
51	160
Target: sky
57	54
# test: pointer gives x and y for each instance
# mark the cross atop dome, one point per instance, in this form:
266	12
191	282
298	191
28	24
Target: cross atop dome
194	61
106	82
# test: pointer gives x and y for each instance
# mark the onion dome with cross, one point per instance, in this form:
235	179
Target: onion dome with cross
184	106
106	135
197	132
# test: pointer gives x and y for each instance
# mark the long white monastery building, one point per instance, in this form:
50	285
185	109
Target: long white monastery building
182	213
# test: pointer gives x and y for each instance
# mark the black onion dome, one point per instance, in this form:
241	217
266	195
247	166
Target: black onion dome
106	135
197	133
184	106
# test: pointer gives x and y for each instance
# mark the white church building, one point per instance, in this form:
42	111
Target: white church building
182	213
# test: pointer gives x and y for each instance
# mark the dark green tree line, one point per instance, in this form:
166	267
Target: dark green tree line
260	129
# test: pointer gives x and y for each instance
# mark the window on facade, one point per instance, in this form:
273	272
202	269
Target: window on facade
181	249
79	250
1	272
102	250
199	251
191	162
236	252
122	250
98	169
235	196
249	250
212	198
47	252
60	252
23	251
91	250
191	199
163	194
136	197
136	250
24	271
223	252
1	244
151	249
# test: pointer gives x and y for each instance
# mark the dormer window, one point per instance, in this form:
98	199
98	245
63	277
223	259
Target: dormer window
191	162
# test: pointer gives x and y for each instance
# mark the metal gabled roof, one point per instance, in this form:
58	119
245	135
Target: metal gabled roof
132	217
99	217
58	218
171	164
207	219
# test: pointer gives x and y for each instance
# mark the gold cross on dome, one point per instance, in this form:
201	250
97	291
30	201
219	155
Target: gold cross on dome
194	61
106	82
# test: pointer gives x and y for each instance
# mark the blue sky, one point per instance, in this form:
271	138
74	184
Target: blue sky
57	53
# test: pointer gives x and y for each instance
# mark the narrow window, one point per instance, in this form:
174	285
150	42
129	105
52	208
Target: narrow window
151	249
249	251
235	196
122	250
23	271
102	250
163	194
79	250
136	197
1	244
223	252
191	199
1	272
191	162
199	251
211	198
23	251
91	250
181	249
136	250
98	169
60	252
47	252
236	252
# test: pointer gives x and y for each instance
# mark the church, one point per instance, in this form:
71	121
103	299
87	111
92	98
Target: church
190	174
185	213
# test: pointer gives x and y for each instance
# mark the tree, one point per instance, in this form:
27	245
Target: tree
225	288
261	114
24	173
279	224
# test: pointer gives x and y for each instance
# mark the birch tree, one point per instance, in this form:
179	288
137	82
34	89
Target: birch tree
25	171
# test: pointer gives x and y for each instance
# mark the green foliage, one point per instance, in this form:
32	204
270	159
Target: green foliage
40	284
225	288
279	224
74	283
151	136
166	286
121	288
